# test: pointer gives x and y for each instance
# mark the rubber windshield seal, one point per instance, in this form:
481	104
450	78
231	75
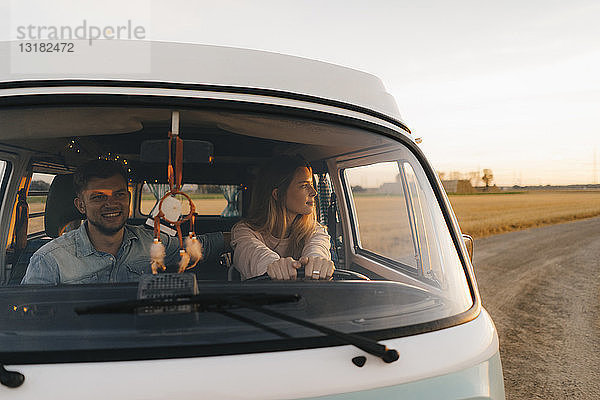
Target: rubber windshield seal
203	87
84	100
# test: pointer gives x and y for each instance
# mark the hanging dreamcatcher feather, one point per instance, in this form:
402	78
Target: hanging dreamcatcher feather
194	248
157	255
183	261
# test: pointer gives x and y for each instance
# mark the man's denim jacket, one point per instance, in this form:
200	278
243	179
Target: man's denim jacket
72	258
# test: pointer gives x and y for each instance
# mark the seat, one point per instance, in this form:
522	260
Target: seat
60	215
60	209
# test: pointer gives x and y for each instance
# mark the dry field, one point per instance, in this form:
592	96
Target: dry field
485	215
479	215
383	227
203	207
36	224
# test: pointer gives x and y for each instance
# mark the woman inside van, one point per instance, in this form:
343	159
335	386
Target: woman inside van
281	233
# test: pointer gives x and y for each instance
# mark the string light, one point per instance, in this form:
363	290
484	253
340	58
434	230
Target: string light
73	146
115	157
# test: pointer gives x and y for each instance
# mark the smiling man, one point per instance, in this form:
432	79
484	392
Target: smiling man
105	248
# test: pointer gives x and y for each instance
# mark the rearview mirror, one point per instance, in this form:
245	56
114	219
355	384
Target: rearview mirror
194	151
469	244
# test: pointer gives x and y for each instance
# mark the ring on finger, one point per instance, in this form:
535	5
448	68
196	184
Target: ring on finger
315	272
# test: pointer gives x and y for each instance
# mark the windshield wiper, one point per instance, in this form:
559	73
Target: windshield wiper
255	302
12	379
367	345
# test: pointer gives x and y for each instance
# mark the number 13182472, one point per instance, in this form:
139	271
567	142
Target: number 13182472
43	47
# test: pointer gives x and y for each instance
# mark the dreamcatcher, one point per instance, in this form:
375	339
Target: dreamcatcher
191	254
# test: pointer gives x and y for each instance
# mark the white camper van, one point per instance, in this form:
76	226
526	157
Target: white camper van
400	317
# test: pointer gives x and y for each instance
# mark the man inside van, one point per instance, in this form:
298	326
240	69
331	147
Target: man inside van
105	248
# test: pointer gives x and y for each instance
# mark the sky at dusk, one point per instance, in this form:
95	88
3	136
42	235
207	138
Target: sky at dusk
513	86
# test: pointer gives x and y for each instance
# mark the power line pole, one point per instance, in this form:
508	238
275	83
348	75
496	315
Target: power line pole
594	180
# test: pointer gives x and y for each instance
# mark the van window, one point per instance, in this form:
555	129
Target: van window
398	222
4	170
380	204
389	240
424	227
223	200
3	165
36	199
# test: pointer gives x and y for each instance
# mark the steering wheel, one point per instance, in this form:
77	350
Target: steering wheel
338	275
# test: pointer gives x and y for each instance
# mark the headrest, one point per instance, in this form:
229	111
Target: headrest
60	209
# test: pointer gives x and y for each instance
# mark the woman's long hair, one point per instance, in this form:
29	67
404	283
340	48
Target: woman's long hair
267	212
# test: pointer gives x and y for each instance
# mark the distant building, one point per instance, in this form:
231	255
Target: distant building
458	186
391	188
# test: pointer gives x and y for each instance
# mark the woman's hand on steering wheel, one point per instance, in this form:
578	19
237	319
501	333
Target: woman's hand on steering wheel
314	268
284	269
317	267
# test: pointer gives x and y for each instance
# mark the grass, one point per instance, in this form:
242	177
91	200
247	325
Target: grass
36	200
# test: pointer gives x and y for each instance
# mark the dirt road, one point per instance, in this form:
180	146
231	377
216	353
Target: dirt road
541	287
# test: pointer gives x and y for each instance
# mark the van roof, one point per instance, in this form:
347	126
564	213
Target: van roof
182	63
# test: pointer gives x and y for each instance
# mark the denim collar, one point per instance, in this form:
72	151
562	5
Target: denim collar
84	247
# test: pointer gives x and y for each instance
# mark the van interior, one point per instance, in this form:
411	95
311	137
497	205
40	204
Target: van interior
50	142
396	264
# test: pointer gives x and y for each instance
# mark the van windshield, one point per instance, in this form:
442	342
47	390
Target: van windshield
359	217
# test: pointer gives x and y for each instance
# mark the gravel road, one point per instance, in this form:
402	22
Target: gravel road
541	287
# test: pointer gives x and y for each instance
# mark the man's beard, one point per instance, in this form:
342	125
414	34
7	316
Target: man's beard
106	230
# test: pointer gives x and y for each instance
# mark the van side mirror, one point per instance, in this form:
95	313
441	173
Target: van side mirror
194	151
469	243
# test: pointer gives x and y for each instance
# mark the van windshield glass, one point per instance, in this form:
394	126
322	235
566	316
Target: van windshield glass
108	251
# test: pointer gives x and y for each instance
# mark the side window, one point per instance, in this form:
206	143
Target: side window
223	200
382	211
36	199
425	230
5	167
